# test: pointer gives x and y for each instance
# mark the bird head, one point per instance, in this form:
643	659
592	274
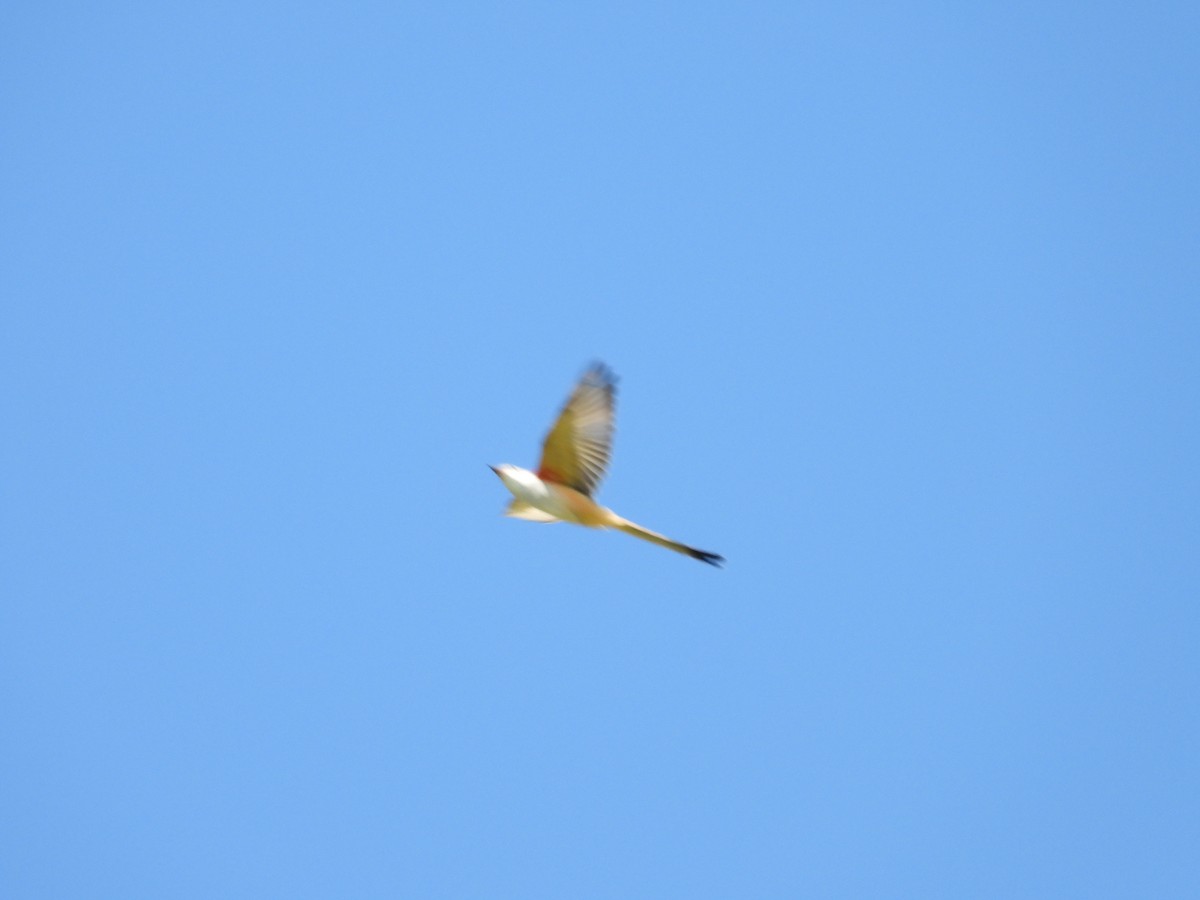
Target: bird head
514	477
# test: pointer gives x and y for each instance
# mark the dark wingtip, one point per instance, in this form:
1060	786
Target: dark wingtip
600	373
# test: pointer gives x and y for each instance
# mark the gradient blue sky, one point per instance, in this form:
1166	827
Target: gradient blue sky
906	309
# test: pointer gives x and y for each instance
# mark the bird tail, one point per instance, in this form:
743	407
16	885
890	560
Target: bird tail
655	538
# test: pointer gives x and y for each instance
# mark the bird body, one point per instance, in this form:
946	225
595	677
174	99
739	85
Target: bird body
575	455
558	501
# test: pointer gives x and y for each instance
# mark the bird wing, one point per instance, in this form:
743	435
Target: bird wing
577	449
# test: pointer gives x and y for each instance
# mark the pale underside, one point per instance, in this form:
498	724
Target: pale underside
519	509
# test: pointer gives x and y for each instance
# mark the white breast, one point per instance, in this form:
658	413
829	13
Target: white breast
526	486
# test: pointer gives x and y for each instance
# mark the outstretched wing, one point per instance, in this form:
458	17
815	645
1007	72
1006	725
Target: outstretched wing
577	449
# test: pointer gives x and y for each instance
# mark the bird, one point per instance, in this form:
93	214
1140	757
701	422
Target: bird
575	457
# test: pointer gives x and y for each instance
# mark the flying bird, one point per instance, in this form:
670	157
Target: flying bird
575	456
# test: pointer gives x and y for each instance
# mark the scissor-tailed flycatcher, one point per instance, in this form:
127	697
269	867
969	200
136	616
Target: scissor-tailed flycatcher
574	457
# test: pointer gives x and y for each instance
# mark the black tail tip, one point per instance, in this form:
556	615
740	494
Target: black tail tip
712	559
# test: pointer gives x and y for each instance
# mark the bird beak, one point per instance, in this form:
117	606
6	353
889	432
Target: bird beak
494	469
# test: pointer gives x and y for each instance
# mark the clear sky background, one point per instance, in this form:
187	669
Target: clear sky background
905	304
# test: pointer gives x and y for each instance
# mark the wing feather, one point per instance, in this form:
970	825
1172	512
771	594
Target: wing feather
578	448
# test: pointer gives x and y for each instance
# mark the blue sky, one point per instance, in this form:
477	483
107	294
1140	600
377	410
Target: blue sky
904	307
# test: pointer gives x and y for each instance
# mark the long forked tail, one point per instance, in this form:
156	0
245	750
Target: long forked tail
655	538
